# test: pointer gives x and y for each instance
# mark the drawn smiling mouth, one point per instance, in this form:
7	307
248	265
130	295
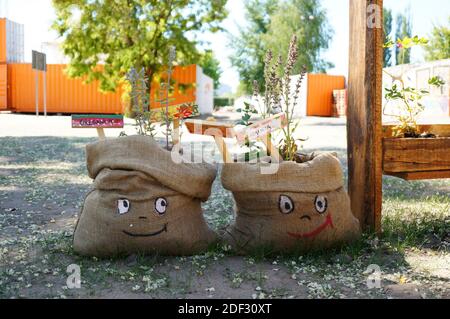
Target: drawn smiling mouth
318	230
164	229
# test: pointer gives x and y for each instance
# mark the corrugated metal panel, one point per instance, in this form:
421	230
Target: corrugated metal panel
14	42
320	93
2	40
66	95
184	85
3	87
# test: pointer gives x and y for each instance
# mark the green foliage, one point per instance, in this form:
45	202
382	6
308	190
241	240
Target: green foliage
403	47
247	112
223	101
439	43
308	21
407	99
436	81
249	49
403	30
270	25
387	27
211	67
131	33
410	106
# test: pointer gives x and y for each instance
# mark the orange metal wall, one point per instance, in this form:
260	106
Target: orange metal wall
66	95
3	68
184	86
3	87
320	93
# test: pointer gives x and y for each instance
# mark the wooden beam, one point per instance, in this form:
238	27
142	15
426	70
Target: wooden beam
416	154
414	176
437	129
101	133
201	126
364	128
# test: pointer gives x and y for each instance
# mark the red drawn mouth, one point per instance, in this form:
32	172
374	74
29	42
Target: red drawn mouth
318	230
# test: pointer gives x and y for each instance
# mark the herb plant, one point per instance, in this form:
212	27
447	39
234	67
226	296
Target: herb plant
407	99
279	97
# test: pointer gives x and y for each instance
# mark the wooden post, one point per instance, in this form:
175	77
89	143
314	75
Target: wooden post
364	127
223	148
176	132
100	133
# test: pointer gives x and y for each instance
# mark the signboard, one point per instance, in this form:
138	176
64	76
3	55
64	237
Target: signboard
39	61
262	128
97	121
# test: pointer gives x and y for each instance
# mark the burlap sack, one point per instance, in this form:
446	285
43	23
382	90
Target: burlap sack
142	201
301	207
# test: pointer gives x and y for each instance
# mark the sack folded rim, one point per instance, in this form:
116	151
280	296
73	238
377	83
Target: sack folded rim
144	154
321	174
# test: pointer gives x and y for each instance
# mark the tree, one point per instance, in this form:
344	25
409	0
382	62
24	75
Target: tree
308	21
387	27
131	33
439	45
249	50
404	29
271	24
211	67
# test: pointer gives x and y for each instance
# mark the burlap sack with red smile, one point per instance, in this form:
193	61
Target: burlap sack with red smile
301	207
142	201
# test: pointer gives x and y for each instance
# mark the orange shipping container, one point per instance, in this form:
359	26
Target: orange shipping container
65	95
320	93
3	68
3	87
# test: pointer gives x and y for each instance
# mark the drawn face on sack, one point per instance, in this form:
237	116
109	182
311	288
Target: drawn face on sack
309	216
144	223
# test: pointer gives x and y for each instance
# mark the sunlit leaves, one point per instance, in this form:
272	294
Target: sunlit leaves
131	33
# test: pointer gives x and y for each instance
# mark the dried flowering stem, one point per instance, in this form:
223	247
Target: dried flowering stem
278	95
290	148
140	100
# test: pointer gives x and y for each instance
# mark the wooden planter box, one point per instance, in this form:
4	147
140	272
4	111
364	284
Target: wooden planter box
417	158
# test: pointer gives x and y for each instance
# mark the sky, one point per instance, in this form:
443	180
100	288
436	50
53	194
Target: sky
37	16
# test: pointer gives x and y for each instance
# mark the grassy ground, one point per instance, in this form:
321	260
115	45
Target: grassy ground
43	182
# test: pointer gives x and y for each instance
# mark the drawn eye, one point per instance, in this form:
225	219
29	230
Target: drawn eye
123	206
321	204
160	205
286	204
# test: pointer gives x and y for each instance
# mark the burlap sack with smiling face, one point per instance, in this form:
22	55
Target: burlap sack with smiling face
301	207
142	201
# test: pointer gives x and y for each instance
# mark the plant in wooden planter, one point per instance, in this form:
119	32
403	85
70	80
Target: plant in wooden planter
142	201
410	150
300	206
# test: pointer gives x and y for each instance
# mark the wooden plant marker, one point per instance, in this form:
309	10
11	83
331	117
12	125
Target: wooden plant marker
97	121
216	129
176	132
260	130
